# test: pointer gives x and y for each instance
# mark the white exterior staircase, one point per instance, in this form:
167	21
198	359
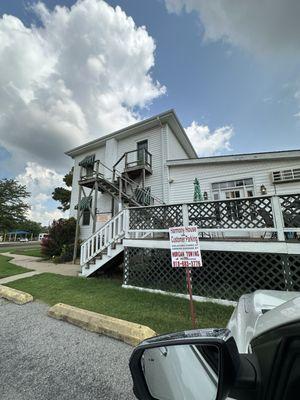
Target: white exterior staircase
104	245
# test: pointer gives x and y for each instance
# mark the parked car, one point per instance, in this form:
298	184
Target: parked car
23	240
256	357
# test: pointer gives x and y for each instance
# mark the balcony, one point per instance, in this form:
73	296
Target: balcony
135	163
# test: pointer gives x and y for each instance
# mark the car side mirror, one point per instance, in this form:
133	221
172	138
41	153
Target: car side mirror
193	365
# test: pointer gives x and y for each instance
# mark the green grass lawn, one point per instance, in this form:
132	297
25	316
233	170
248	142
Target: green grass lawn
34	251
7	269
106	296
31	251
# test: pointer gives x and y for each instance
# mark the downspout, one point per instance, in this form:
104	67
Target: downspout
163	159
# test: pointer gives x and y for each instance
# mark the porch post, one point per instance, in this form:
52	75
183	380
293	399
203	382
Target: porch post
77	221
278	217
185	215
120	193
95	197
126	217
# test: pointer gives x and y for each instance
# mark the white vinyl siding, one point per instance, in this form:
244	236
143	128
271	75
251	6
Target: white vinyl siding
174	150
182	188
154	147
162	144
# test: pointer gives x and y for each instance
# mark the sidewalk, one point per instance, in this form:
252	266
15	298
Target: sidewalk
19	276
38	267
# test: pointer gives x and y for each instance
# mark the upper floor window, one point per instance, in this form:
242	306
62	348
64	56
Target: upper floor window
86	216
88	164
142	151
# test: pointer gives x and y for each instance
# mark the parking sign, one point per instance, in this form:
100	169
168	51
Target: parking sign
185	248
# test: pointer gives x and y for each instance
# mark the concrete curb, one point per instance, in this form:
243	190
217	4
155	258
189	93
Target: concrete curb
15	295
128	332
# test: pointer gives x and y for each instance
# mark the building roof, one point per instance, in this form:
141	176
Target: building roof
169	117
268	155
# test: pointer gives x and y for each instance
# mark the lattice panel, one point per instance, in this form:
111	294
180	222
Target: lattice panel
162	217
225	275
293	262
290	205
230	274
242	213
151	269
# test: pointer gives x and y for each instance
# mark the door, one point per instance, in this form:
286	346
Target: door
233	194
142	148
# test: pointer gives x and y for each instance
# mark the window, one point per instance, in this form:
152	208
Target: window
88	164
86	217
142	148
89	171
233	189
234	194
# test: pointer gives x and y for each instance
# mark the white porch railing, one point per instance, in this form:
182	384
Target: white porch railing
104	238
277	216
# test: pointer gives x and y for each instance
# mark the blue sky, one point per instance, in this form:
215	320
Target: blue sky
213	83
236	85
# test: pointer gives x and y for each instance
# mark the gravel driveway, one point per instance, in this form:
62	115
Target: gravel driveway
42	358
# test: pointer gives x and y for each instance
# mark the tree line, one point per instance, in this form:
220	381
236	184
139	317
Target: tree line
14	205
14	208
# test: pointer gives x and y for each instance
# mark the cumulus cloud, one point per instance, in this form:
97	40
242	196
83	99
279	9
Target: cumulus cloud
263	27
82	72
40	182
207	142
80	75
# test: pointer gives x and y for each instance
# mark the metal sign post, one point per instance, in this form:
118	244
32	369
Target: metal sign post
190	290
185	252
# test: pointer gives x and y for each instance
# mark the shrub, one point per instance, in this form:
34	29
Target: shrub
60	241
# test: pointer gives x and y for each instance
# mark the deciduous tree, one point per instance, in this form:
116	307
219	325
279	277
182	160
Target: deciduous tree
63	195
13	205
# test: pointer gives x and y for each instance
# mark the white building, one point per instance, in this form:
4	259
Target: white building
235	176
146	146
130	186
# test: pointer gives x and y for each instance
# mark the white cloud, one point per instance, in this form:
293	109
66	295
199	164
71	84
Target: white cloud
41	213
267	29
40	182
83	72
78	76
207	142
263	27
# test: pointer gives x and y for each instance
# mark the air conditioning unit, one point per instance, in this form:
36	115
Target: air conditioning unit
286	175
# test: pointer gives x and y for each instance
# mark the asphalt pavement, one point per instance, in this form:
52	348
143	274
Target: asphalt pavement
44	359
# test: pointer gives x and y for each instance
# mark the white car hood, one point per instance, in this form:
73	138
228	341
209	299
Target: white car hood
261	311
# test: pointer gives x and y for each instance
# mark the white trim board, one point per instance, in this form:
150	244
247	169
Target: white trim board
184	296
250	247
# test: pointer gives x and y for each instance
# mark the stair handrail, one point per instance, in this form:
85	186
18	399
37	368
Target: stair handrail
104	237
130	181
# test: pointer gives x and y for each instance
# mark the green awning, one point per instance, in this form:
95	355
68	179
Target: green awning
84	204
88	161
